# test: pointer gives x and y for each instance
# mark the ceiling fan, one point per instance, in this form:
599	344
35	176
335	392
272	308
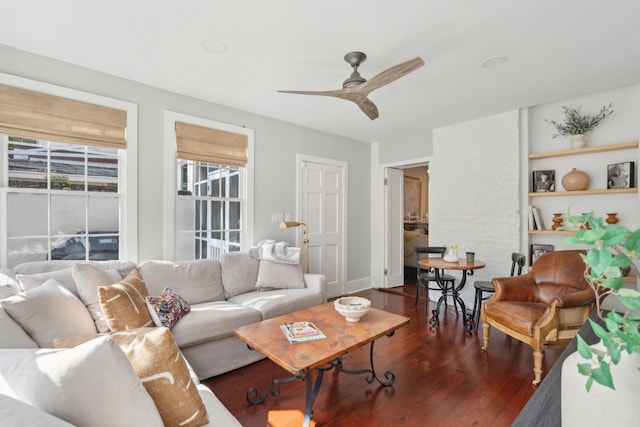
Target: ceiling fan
356	88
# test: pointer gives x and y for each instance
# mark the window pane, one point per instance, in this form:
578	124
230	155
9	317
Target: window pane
103	246
102	170
27	215
26	249
185	214
234	215
68	214
27	165
67	167
185	249
104	213
234	185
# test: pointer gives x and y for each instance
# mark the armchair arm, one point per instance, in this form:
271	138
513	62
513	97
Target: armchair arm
317	282
575	299
516	288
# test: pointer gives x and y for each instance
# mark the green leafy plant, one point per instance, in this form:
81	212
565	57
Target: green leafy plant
576	123
612	247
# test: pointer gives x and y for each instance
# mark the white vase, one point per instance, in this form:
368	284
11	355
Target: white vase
577	141
451	255
601	406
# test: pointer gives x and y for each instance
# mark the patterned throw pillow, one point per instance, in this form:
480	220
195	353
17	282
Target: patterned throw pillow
167	308
124	305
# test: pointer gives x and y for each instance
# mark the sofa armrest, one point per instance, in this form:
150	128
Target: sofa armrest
317	282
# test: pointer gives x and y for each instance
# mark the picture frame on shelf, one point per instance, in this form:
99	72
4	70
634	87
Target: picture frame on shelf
621	175
544	181
538	250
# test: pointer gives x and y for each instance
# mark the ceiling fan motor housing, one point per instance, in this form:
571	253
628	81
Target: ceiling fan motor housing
354	59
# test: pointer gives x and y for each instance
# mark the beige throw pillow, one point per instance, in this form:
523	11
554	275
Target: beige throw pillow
124	305
88	279
273	275
49	311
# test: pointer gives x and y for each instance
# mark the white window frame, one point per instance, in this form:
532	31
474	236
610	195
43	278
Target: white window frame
170	182
128	160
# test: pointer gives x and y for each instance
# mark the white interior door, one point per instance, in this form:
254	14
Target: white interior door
322	206
394	235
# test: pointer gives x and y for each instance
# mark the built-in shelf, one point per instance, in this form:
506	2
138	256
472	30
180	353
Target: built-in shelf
586	150
584	192
562	233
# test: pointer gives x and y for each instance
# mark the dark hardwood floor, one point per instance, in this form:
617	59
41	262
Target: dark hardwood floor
443	378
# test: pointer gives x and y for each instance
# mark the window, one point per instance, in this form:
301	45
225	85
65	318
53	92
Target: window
63	181
212	201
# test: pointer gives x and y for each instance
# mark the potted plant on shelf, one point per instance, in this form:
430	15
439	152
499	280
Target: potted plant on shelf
576	124
611	248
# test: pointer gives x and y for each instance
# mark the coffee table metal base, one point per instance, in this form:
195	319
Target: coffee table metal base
312	389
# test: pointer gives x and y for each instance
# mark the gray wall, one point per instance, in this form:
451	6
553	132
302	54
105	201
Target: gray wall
276	144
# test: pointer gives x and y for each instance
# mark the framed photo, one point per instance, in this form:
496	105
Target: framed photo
412	190
544	181
537	251
621	175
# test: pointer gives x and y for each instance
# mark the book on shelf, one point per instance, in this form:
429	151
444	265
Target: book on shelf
537	216
532	224
301	332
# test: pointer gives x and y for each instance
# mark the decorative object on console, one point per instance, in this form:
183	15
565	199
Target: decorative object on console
576	125
557	221
544	181
621	175
575	180
451	254
612	218
305	238
352	308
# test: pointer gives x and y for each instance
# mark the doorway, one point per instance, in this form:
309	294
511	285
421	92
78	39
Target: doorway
399	212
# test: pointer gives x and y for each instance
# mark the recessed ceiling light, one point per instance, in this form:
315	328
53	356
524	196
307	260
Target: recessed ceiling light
213	45
494	61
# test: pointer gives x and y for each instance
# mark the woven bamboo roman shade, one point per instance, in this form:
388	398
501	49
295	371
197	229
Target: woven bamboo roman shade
210	145
30	114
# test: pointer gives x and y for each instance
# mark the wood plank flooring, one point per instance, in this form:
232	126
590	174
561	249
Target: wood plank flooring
443	378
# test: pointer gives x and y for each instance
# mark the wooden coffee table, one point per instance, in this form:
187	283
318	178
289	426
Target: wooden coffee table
301	359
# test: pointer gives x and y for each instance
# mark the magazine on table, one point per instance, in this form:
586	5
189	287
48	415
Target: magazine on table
301	332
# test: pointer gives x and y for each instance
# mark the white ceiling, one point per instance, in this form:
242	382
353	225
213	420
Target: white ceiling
556	49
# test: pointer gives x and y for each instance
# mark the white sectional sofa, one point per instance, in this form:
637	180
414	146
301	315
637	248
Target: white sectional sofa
223	295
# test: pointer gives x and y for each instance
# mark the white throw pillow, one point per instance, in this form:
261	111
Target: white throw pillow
12	335
88	279
89	385
50	311
14	412
273	275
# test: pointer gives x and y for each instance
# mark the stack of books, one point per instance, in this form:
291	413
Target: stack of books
535	219
301	332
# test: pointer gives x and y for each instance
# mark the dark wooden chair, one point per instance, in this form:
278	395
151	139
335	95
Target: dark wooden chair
543	308
426	276
485	286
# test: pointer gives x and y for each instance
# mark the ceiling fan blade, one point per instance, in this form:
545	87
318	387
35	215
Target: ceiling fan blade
350	94
390	75
336	93
369	108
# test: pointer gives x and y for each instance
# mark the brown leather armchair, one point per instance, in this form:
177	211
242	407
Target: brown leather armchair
544	308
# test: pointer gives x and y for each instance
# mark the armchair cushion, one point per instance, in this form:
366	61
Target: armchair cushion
520	316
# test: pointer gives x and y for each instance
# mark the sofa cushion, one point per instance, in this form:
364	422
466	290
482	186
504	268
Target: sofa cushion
211	321
197	281
167	308
89	385
239	273
273	275
32	281
124	305
12	335
160	365
14	412
49	311
278	301
88	279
